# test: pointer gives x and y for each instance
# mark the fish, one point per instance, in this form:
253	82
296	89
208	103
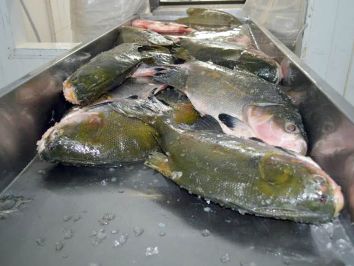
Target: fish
243	104
240	36
234	56
209	19
162	27
98	135
245	175
128	34
108	70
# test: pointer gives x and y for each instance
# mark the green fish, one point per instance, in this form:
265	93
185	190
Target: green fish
232	55
246	175
109	69
128	34
99	135
209	19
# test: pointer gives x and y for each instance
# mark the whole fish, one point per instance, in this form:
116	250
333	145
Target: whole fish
99	135
161	27
246	175
209	19
233	55
129	34
108	70
243	104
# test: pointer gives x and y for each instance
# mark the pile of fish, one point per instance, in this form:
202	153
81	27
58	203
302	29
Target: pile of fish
251	159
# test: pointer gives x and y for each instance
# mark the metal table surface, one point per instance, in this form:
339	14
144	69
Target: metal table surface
68	203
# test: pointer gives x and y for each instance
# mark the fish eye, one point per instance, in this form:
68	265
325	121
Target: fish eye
291	127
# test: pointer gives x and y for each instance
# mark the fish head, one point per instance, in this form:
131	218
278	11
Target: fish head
278	125
295	186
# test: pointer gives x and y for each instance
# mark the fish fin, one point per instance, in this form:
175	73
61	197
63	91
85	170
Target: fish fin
133	97
159	162
182	53
234	126
172	75
207	122
229	120
256	139
286	150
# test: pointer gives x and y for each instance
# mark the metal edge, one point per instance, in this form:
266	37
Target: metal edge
13	85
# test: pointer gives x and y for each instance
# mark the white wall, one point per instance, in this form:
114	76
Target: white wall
18	54
50	17
328	44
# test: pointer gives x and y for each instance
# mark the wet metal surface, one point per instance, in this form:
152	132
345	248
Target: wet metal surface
138	204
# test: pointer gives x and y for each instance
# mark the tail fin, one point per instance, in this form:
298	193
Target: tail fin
173	75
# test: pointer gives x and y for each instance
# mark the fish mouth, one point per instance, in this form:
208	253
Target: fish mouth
299	146
338	198
331	187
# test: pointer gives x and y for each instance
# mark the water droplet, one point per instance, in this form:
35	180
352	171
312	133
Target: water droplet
106	218
162	225
228	221
67	218
123	238
162	233
40	241
205	233
329	245
176	175
98	237
104	182
113	179
68	233
151	251
242	212
207	201
76	218
207	209
93	233
111	169
94	264
342	246
114	232
59	245
41	171
65	256
225	258
120	190
138	231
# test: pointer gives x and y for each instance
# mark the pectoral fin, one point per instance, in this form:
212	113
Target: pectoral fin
229	121
233	126
159	162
